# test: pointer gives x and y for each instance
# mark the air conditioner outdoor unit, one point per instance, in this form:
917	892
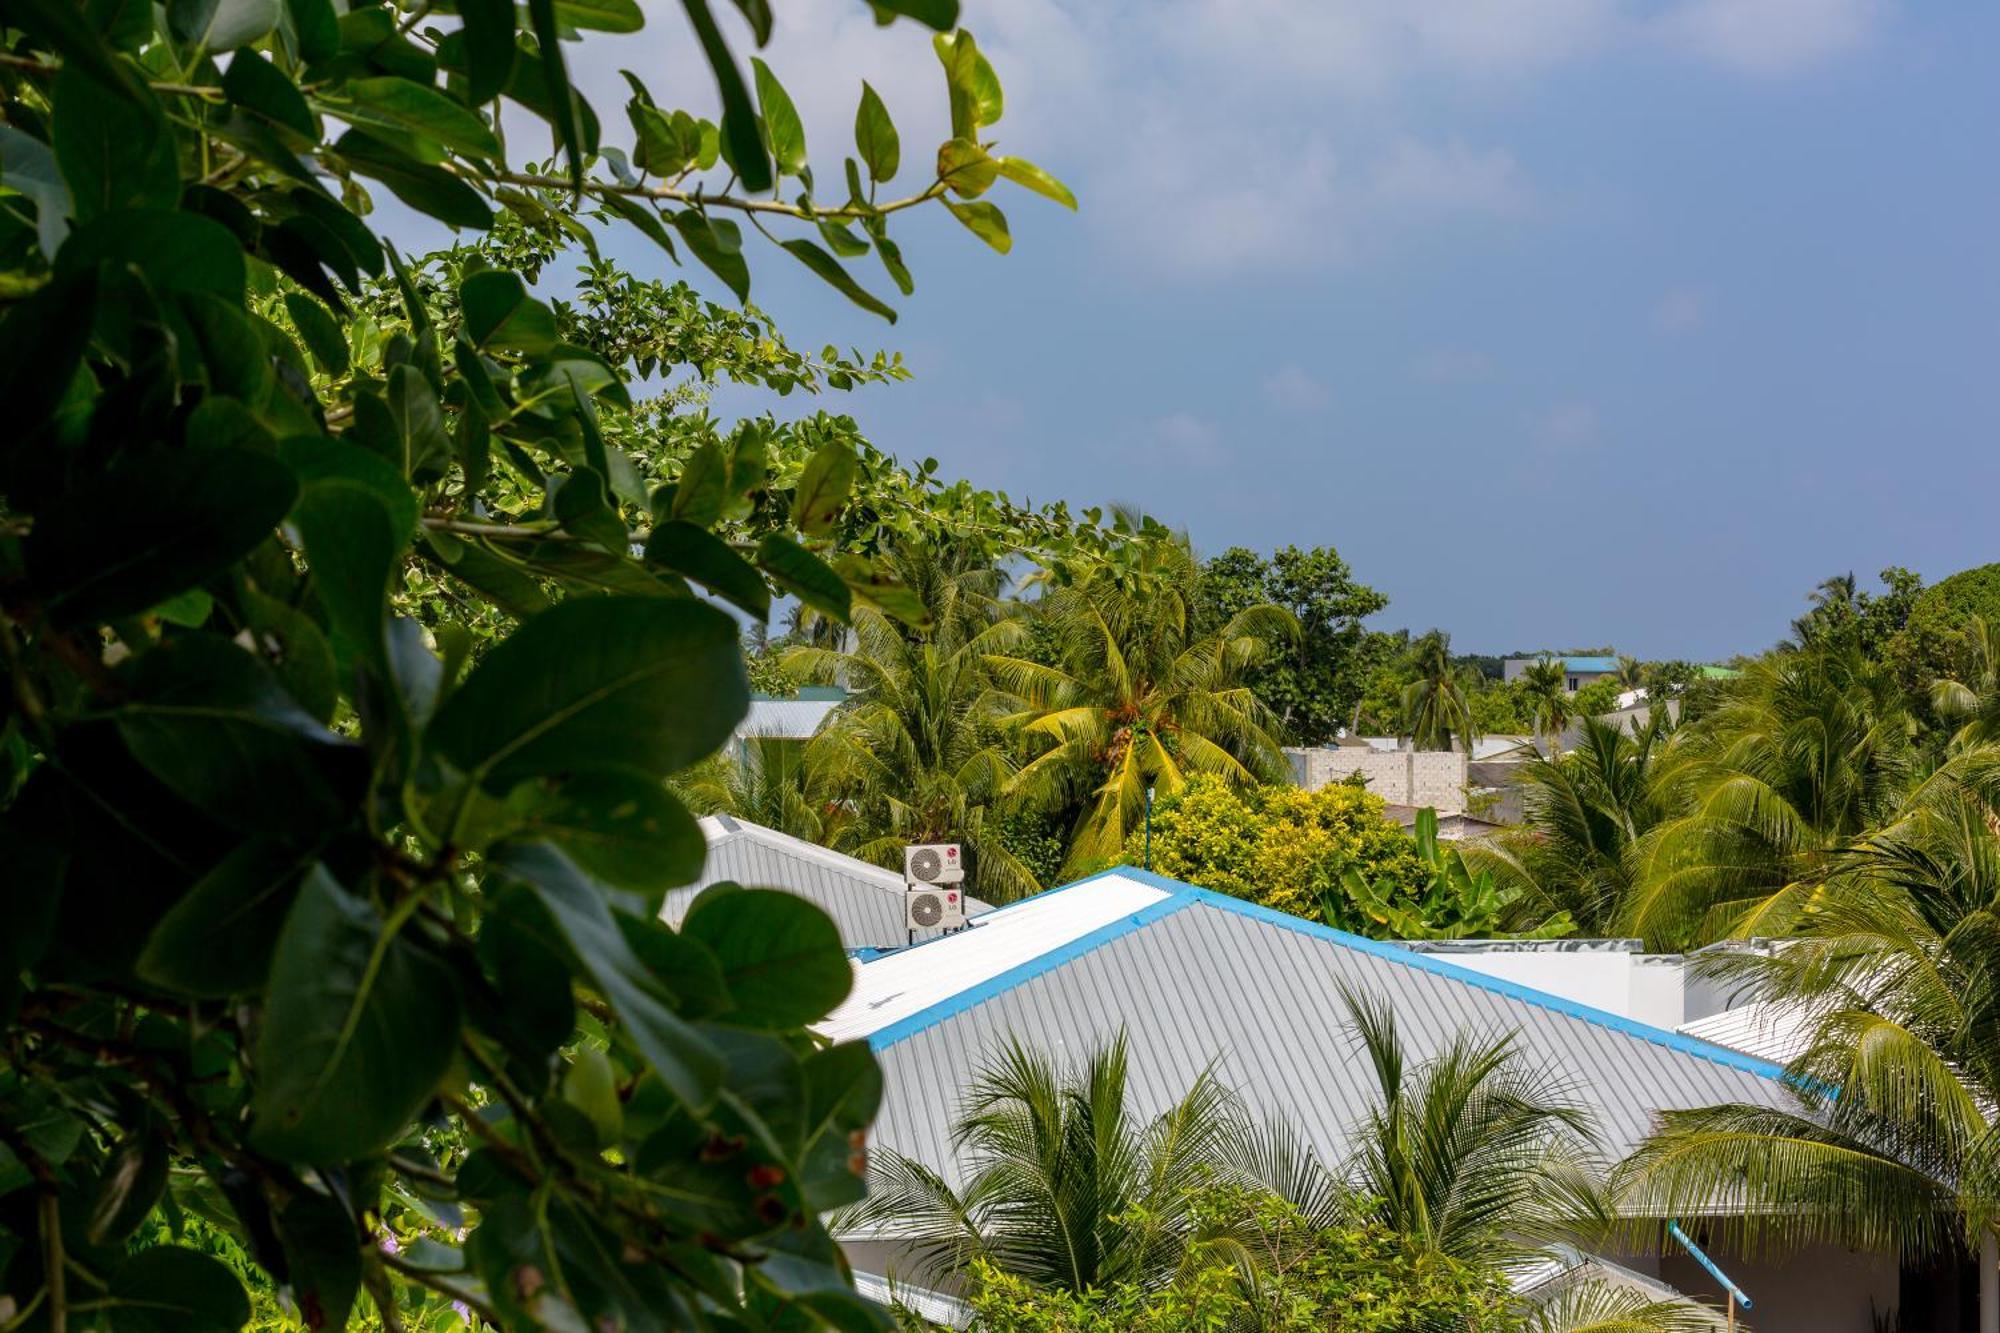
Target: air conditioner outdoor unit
933	863
933	909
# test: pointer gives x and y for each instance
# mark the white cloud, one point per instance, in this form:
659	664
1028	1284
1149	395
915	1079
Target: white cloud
1682	310
1290	388
1772	36
1564	428
1184	439
1452	365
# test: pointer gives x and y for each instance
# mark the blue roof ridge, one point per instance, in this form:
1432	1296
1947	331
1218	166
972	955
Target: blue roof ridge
1183	895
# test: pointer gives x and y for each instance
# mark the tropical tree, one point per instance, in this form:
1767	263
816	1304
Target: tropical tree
764	780
1314	682
329	810
1064	1185
1550	705
1137	697
1969	701
1473	1154
1435	706
1809	751
1895	981
916	753
1585	814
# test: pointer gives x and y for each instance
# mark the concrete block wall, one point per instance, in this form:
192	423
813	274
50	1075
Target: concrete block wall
1402	777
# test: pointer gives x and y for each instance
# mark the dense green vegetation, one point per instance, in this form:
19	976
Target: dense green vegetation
348	614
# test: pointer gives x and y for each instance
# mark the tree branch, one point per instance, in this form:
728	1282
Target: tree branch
670	194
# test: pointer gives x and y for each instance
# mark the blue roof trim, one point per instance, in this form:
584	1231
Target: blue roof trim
973	996
1187	895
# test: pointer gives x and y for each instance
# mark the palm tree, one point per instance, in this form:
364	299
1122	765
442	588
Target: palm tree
1585	814
1971	700
916	753
1894	1143
1064	1185
762	779
1435	707
1473	1154
1631	673
1137	697
1547	686
1808	751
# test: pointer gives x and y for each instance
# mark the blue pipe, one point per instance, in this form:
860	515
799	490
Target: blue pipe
1674	1230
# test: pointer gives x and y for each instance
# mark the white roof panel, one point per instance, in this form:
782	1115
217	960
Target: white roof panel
892	988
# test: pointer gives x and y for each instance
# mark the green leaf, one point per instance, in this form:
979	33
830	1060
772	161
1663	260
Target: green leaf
562	104
426	448
428	189
591	1087
829	268
744	145
601	15
320	331
297	649
843	1093
63	26
490	51
703	487
804	575
211	721
134	1176
642	217
221	25
177	251
875	136
619	683
939	14
625	830
965	168
29	166
824	487
892	262
317	26
217	941
1025	173
256	84
153	527
583	507
356	516
781	956
781	120
986	222
360	1025
403	105
711	246
323	1252
520	951
684	1060
168	1289
499	314
874	588
696	553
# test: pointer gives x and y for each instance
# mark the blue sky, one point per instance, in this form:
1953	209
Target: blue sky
1567	322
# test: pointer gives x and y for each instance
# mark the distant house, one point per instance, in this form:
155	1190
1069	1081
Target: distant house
1453	825
1577	671
864	900
796	718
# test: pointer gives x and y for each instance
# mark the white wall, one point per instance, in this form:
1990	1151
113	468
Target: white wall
1604	974
1402	777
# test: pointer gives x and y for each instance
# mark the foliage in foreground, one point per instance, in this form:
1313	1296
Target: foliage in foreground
350	633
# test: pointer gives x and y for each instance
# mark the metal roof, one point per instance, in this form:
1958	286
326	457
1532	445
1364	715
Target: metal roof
1767	1029
1196	978
865	901
786	719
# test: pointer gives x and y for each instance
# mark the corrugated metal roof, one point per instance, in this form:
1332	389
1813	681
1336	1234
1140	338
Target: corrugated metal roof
892	989
786	719
1196	979
1769	1031
865	901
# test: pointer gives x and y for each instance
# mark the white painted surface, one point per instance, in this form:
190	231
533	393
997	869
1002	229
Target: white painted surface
890	989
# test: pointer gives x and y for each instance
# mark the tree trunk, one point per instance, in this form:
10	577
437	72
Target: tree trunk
1989	1281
